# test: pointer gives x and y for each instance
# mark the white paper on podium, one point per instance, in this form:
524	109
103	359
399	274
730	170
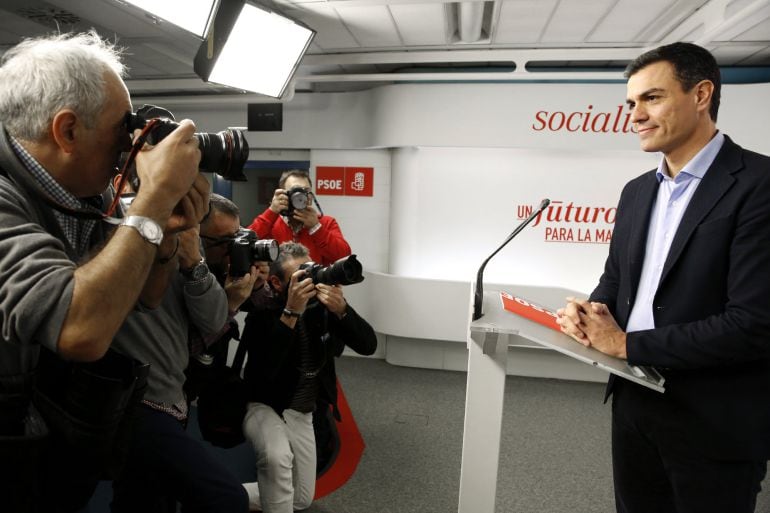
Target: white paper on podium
548	337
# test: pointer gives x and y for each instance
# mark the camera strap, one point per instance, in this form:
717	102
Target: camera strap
135	147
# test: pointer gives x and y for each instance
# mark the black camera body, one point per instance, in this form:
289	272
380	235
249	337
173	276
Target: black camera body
224	153
345	271
246	248
299	198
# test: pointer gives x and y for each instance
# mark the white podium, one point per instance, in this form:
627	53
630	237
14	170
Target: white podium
488	341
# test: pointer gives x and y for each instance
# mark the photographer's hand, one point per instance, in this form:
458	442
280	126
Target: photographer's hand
167	171
301	290
307	216
263	271
189	247
239	289
192	208
280	201
331	297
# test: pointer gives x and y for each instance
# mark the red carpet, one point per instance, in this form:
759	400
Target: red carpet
349	454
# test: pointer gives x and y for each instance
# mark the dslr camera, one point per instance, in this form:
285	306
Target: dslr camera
299	198
345	271
246	248
223	153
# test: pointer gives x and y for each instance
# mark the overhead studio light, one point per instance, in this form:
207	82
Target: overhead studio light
192	15
252	48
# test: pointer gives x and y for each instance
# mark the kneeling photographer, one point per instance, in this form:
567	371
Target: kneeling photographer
292	344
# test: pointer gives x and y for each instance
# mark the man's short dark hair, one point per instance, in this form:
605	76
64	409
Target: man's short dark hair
218	203
223	205
293	172
286	251
691	63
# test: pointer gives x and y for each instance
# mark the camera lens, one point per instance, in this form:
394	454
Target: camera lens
224	153
265	250
298	199
345	271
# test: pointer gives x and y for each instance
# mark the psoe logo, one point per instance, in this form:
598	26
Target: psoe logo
344	181
570	223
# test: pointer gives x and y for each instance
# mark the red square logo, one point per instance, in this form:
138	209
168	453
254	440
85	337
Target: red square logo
359	181
329	181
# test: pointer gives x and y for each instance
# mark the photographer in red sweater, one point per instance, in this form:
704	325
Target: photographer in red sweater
291	217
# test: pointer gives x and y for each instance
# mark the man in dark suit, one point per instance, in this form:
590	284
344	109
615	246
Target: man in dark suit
686	288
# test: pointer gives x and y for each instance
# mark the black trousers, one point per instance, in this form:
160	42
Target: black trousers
165	463
657	469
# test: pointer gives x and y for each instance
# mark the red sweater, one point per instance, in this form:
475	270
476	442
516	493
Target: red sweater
326	245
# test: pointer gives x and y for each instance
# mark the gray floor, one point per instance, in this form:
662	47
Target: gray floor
554	452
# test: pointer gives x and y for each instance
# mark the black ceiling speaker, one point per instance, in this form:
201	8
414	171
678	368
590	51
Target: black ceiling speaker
265	117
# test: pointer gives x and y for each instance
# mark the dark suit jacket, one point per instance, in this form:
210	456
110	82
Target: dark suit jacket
272	368
712	306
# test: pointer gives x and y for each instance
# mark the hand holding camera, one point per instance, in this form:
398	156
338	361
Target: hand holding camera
189	248
169	163
167	172
191	208
280	201
239	289
332	298
246	250
295	203
301	290
307	216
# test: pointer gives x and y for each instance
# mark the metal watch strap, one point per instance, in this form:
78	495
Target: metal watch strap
196	273
147	228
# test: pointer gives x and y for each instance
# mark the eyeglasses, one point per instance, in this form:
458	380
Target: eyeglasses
211	242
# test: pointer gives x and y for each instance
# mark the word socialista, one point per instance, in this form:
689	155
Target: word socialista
583	121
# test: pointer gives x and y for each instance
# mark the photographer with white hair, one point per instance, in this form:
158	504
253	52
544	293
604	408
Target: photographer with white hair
69	279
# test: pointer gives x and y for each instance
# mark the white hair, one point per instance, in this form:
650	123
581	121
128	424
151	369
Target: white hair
41	76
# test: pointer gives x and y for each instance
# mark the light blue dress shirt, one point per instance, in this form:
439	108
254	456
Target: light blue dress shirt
674	195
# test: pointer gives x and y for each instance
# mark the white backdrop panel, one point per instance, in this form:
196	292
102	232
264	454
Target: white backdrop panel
451	207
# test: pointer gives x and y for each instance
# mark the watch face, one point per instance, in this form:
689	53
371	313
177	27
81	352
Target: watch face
151	230
199	271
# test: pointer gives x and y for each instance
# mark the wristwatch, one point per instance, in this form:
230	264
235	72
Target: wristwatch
197	272
147	228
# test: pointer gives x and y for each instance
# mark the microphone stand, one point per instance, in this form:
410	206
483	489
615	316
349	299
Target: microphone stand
478	296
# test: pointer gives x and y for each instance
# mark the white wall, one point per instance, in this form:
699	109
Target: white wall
453	206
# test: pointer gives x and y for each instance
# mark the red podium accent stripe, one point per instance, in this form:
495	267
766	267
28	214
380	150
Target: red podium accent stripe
529	310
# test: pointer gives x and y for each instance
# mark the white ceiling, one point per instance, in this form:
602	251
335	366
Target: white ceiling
363	43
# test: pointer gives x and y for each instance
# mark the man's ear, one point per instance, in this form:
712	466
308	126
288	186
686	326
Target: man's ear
704	90
275	283
116	181
63	128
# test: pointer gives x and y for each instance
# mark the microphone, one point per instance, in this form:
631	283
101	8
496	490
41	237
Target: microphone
478	296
